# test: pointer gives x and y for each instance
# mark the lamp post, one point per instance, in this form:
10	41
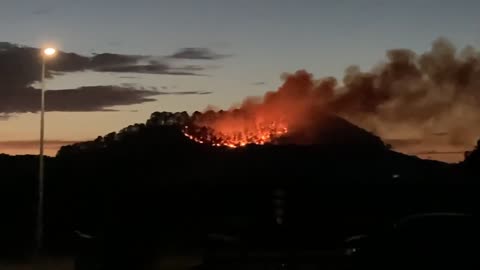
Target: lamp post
48	52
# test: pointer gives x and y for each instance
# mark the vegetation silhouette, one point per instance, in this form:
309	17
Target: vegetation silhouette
150	190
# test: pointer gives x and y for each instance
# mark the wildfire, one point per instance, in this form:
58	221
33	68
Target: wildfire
233	138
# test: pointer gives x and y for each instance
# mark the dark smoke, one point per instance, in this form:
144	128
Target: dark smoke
409	95
435	92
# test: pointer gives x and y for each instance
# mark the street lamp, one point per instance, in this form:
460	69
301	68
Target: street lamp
46	53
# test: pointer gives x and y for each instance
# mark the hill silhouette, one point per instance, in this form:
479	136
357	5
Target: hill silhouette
149	187
332	143
472	162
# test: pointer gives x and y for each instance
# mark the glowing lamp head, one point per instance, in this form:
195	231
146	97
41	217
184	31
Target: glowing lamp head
49	51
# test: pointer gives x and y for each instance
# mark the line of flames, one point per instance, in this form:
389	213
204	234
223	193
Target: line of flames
240	139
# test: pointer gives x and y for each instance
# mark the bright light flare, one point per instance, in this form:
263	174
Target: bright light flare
49	51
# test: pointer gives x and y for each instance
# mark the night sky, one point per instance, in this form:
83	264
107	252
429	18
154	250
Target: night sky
209	52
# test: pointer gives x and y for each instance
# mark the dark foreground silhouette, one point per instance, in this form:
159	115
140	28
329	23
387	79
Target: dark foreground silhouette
148	192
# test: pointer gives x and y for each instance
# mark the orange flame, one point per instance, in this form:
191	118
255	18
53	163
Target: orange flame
236	137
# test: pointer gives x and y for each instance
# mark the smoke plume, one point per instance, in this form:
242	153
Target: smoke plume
414	95
423	95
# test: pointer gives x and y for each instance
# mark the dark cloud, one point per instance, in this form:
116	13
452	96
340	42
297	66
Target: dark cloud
83	99
183	93
88	98
197	54
113	60
147	69
20	67
67	62
129	64
204	93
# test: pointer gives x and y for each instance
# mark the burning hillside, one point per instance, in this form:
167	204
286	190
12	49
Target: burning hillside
179	128
409	95
430	96
296	105
235	129
233	138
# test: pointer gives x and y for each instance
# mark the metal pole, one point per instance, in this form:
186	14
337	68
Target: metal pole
39	233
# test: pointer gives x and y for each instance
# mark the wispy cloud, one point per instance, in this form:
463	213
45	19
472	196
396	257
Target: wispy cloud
183	93
157	68
197	54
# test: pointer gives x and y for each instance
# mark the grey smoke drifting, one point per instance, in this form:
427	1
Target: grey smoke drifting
409	96
418	95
